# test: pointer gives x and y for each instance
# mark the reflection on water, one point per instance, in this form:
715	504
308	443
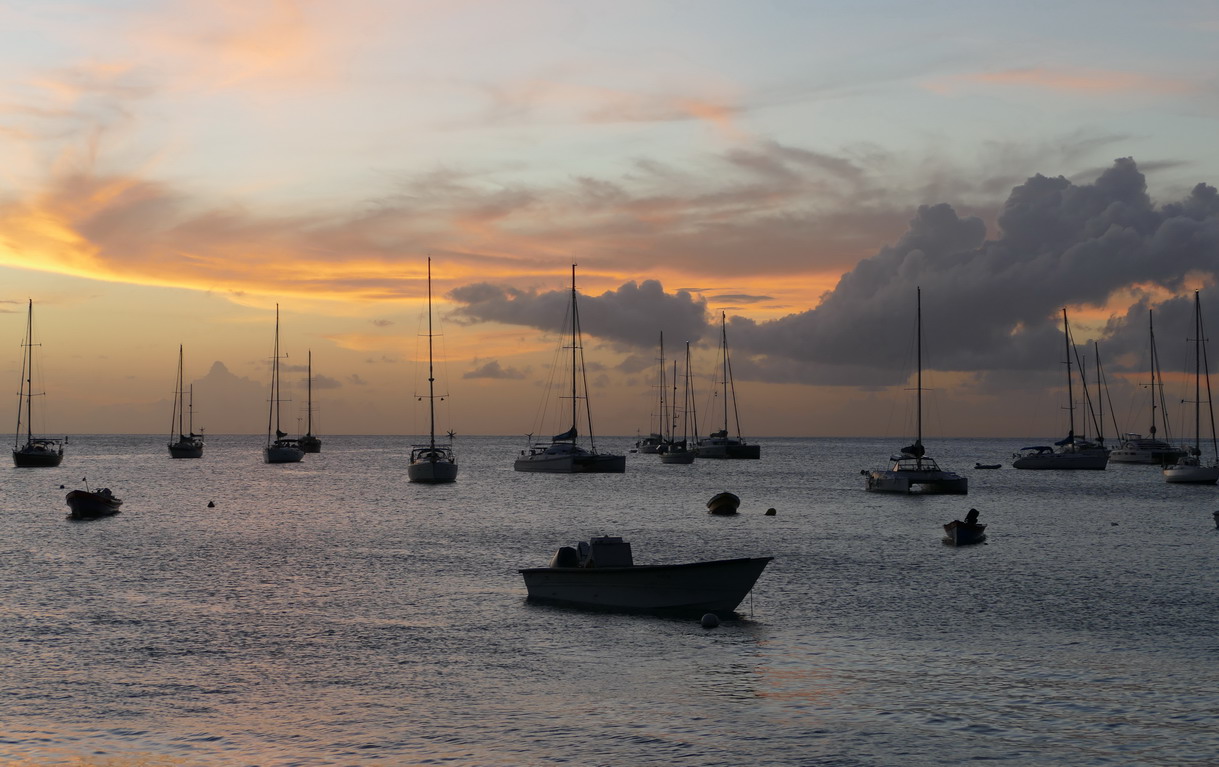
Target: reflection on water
330	613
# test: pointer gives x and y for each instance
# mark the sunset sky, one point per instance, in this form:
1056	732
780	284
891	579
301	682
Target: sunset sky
173	170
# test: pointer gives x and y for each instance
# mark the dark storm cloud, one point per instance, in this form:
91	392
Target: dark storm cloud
633	314
994	304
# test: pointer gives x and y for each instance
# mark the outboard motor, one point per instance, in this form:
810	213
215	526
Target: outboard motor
566	556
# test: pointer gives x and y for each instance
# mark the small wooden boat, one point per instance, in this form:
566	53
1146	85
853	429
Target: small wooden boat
724	504
85	504
602	574
958	533
988	465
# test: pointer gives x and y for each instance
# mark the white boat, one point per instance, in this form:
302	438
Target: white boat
37	452
1070	453
912	470
563	454
432	463
309	442
183	441
1136	448
1190	469
718	444
602	574
86	504
678	451
280	448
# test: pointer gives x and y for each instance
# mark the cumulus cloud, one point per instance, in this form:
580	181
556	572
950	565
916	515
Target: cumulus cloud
993	304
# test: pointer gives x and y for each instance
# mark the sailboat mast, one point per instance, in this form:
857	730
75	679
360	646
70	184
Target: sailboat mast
573	347
431	378
1151	329
1066	340
918	345
190	424
273	412
29	373
673	407
179	392
1197	375
663	419
692	416
309	393
724	377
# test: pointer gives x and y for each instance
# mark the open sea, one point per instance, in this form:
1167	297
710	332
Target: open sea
331	613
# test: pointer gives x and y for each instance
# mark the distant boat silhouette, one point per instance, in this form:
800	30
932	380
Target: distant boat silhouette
188	444
309	443
432	463
280	448
37	451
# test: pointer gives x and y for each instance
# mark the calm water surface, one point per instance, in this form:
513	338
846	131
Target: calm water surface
331	613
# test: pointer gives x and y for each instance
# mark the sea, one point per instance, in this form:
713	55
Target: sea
331	613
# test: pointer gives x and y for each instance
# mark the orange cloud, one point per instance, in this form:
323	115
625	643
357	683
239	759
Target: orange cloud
1079	81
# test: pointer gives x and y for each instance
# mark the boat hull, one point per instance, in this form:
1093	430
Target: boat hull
86	505
310	444
717	586
36	459
728	450
282	454
1062	462
723	504
922	482
1191	475
185	449
677	456
432	472
587	463
960	534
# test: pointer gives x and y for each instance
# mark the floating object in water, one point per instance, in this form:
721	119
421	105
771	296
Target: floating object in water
724	503
771	512
958	533
988	465
710	621
211	504
602	574
91	505
1216	515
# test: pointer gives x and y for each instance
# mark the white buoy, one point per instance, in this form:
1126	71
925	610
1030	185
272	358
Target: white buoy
710	621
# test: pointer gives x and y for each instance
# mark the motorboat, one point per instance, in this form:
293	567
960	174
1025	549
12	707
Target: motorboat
958	533
718	444
183	441
37	452
86	504
281	448
912	470
602	574
434	462
563	454
723	504
1190	468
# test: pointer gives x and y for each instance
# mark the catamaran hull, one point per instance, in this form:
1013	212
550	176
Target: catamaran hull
923	482
33	460
728	451
432	472
717	586
572	464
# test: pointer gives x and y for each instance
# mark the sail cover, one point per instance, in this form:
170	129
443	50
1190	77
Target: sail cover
569	434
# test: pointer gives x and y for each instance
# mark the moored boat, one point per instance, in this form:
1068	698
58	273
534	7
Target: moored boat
37	452
958	533
432	463
602	574
678	451
718	444
281	448
1190	468
723	504
86	504
309	442
187	444
563	454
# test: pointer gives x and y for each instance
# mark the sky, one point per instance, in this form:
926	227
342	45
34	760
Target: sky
170	172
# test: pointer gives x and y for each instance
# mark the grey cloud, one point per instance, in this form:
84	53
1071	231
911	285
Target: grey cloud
492	369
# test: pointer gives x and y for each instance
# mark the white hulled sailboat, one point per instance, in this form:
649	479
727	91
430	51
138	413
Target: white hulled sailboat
1190	468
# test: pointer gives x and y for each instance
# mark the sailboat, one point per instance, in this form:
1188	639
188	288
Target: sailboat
186	444
718	444
1136	448
563	455
431	462
679	451
37	451
280	448
652	442
912	470
1070	452
309	443
1189	468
